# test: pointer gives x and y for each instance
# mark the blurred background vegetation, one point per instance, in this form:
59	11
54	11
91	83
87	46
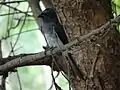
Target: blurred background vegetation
20	34
116	10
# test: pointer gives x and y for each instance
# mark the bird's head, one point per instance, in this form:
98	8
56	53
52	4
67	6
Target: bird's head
48	13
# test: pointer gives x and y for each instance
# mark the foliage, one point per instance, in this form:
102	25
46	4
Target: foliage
116	10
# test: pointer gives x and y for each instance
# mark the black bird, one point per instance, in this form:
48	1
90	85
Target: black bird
52	30
55	35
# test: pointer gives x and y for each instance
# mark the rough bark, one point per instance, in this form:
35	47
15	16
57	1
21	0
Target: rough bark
0	50
97	58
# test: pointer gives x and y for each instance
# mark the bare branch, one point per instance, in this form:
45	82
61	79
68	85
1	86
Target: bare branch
22	32
30	59
0	51
34	4
12	2
14	13
16	9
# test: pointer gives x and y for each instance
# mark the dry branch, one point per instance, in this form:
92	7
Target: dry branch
41	58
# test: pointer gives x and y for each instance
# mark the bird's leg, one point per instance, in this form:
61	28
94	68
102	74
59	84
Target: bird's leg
48	48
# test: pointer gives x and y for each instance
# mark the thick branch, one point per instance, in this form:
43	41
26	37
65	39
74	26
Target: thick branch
30	59
41	58
34	4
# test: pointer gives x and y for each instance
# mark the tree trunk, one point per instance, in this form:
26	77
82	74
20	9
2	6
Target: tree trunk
97	57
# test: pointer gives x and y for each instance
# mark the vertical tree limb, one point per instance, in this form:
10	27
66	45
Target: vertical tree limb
0	50
47	3
34	4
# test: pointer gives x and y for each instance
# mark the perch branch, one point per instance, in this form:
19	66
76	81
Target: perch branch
41	58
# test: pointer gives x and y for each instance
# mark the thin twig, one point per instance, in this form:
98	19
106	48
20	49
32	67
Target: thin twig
20	85
17	9
13	13
10	2
53	62
12	51
25	31
19	32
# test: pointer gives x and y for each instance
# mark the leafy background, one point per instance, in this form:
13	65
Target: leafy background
30	41
116	10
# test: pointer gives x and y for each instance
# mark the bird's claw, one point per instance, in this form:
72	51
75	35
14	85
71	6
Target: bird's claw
48	48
